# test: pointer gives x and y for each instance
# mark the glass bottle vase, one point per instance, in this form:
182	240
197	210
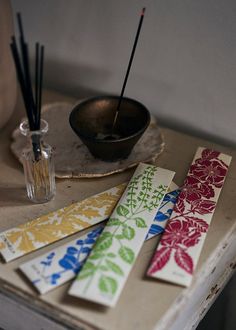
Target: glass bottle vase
37	159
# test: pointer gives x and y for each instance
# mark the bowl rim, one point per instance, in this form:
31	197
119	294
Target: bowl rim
100	97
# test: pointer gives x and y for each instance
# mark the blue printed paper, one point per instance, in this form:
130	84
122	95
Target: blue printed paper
163	214
62	264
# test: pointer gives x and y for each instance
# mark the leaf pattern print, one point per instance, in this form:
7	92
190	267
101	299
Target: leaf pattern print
161	257
61	223
184	260
63	263
121	229
163	214
53	270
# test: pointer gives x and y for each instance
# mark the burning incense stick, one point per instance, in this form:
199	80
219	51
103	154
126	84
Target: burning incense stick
128	68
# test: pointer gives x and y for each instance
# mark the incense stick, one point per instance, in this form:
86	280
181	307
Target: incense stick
20	75
40	83
36	77
25	58
128	68
32	101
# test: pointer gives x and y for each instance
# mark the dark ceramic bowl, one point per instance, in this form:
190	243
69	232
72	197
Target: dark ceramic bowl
92	121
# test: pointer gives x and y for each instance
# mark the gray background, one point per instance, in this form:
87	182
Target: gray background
184	69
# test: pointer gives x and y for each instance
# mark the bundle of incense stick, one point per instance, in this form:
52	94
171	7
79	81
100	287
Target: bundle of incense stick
32	100
38	170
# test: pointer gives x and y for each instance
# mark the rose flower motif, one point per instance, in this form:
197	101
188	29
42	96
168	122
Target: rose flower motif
192	238
194	189
178	232
208	154
213	171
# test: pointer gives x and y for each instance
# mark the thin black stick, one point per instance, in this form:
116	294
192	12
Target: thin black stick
37	81
18	15
128	68
28	79
32	101
40	82
20	75
26	68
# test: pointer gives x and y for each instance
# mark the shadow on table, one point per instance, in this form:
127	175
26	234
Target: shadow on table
12	195
83	304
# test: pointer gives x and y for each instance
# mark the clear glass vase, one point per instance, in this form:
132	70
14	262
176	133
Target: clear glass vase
37	159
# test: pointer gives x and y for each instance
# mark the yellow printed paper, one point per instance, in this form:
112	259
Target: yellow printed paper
56	225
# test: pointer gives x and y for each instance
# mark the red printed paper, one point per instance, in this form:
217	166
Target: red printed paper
179	249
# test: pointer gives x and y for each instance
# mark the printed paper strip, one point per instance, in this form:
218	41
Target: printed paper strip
106	270
164	212
56	225
179	249
61	264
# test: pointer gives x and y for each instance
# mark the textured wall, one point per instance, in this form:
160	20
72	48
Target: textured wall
184	70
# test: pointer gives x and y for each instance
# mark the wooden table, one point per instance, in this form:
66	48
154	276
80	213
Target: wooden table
144	304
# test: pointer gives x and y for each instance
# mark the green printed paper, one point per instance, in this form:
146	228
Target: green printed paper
105	272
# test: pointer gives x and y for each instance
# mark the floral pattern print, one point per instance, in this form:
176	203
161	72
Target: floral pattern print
212	171
192	213
179	234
